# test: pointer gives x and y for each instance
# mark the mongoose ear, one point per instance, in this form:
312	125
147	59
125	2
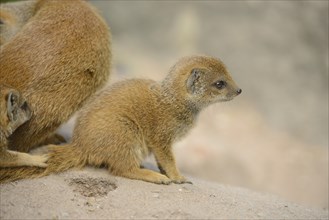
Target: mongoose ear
193	79
11	105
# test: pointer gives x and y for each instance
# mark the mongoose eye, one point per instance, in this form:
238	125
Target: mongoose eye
220	84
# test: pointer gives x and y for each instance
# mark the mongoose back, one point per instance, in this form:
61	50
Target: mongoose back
14	111
58	59
121	125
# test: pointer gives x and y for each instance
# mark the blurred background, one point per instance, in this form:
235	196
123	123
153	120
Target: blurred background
274	137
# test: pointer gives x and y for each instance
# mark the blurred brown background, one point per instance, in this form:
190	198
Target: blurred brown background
272	138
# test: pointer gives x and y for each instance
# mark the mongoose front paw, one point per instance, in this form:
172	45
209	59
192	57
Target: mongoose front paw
163	180
58	139
55	139
39	160
180	180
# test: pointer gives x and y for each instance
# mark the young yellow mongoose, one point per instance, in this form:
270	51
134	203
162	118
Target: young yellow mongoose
14	111
57	59
121	125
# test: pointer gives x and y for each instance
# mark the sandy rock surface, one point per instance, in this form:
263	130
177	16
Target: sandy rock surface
94	194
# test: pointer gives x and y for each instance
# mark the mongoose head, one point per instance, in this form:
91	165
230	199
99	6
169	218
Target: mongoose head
205	79
15	111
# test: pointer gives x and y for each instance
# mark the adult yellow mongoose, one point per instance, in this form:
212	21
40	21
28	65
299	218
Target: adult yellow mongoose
57	60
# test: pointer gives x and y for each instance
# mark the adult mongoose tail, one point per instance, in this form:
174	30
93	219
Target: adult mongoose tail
61	158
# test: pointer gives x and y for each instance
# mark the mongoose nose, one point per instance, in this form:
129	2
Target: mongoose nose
239	91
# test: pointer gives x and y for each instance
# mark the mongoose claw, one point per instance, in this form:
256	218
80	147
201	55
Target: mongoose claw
188	182
165	182
182	182
42	165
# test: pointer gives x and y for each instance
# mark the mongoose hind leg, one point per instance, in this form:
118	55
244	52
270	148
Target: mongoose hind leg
145	175
130	166
15	159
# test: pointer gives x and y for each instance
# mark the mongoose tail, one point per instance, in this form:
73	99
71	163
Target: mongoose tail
61	158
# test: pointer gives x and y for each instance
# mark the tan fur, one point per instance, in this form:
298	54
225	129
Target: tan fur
13	16
14	111
58	59
121	125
